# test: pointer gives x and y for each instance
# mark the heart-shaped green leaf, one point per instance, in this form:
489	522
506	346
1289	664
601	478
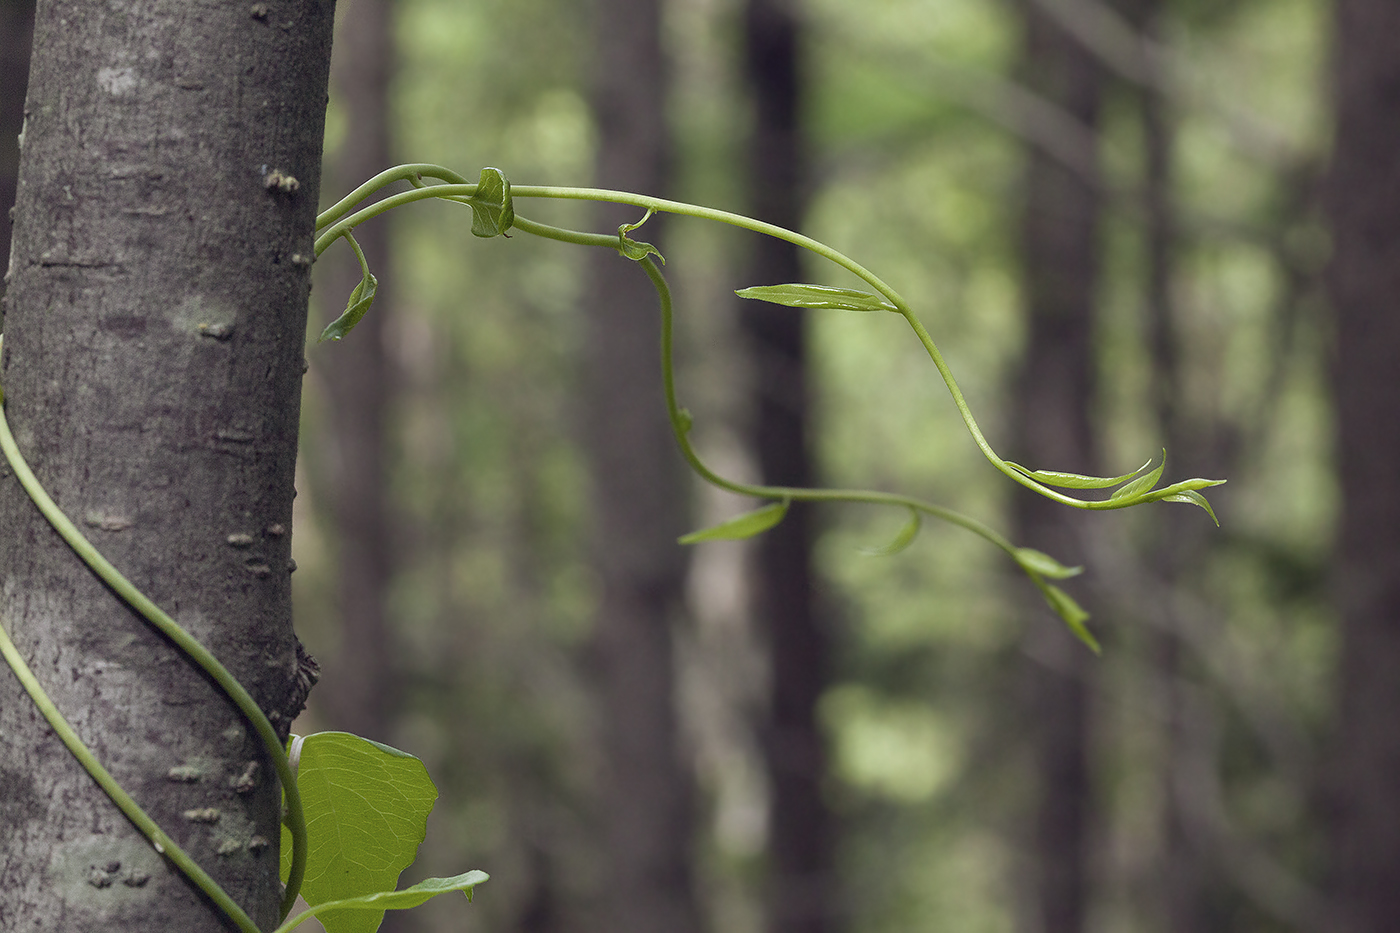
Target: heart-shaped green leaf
741	526
367	809
381	901
906	536
821	297
493	211
1045	565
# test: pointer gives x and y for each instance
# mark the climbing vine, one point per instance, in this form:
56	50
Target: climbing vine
356	810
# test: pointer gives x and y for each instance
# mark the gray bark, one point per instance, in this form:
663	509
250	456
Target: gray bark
1364	280
639	497
152	365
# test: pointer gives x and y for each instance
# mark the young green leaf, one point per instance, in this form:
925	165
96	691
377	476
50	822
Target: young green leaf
367	809
1194	498
741	526
1140	485
906	536
1045	565
1075	480
493	211
1187	485
375	904
821	297
360	300
1071	612
636	250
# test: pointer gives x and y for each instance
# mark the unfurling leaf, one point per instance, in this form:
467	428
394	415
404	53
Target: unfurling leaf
636	250
741	526
821	297
360	300
493	211
906	536
1072	613
1140	485
1045	565
1075	480
1194	498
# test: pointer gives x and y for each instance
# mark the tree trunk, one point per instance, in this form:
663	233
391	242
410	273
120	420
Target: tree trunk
638	496
1059	244
152	366
1364	280
801	891
362	696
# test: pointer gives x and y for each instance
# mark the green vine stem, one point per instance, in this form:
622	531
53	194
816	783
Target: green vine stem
158	618
492	202
147	826
340	219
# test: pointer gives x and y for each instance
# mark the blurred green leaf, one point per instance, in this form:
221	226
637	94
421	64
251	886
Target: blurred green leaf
1045	565
1072	613
821	297
367	809
360	301
493	211
741	526
1075	480
375	904
906	536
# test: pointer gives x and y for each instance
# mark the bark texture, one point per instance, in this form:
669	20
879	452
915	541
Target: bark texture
1059	246
152	367
801	893
1364	280
361	697
639	497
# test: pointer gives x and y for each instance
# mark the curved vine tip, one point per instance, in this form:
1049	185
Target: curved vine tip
636	250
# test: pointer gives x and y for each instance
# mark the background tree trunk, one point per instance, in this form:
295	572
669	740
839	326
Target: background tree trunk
801	893
16	36
638	505
362	697
1364	280
1053	430
152	367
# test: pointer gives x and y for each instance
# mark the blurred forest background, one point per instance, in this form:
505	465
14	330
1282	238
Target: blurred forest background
1115	217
